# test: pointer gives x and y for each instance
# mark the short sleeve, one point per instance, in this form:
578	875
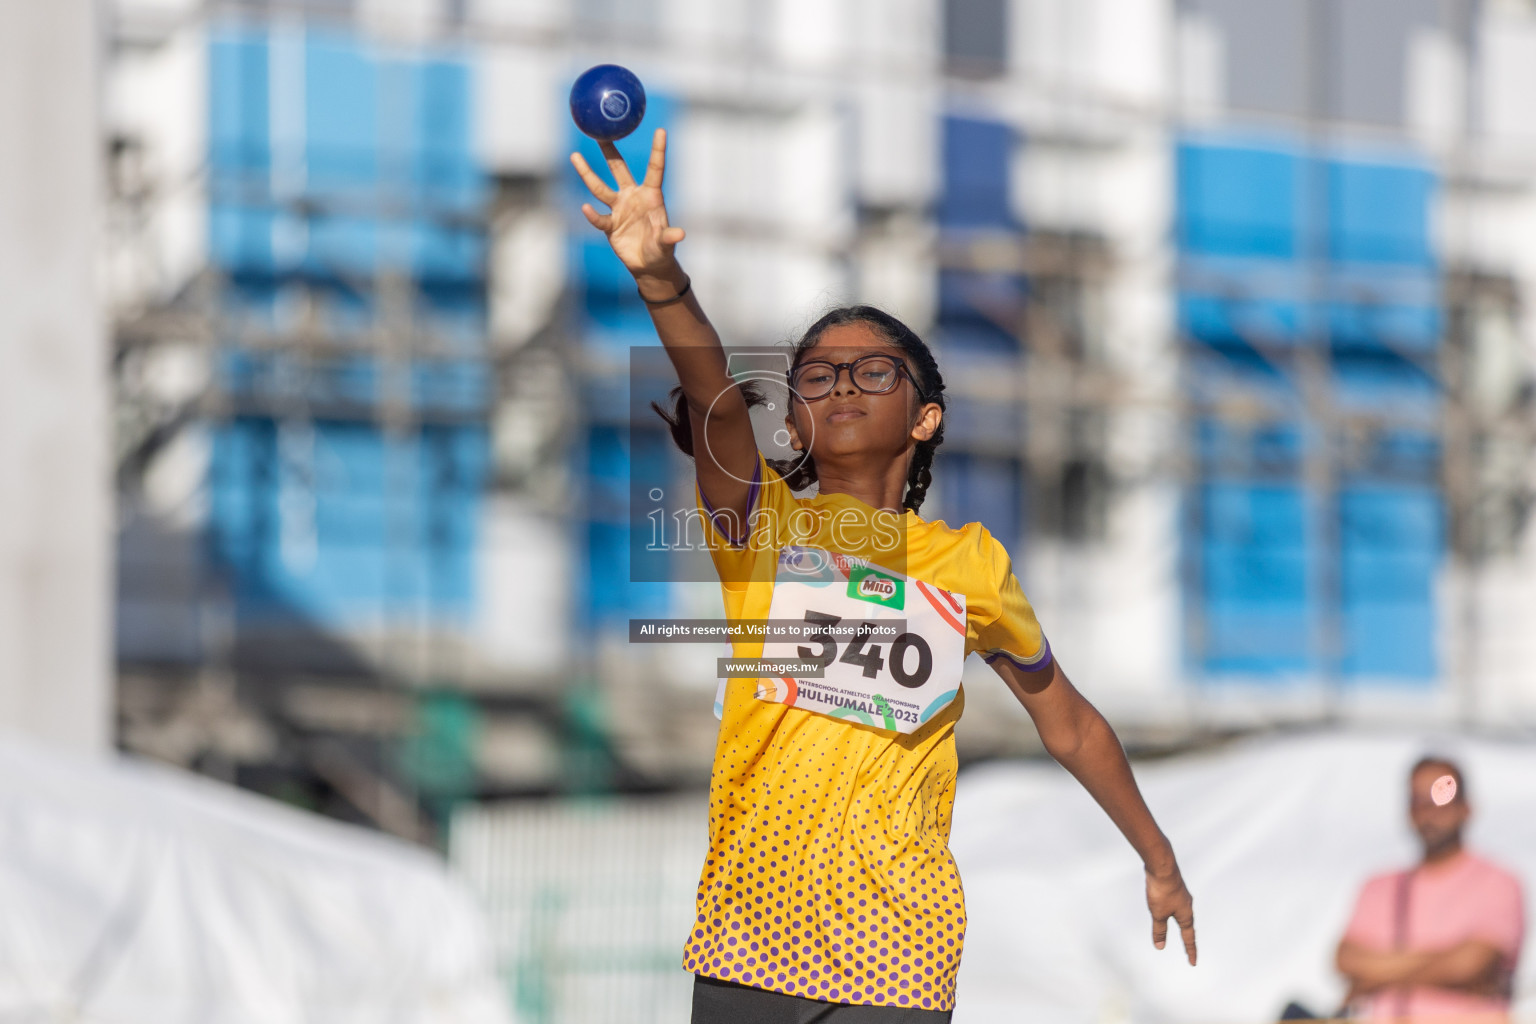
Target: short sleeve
1370	923
1005	627
1501	917
736	544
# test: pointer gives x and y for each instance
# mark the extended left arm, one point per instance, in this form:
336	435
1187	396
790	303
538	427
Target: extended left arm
1079	738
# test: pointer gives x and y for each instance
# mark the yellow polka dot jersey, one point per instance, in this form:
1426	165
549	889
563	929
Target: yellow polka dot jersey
828	873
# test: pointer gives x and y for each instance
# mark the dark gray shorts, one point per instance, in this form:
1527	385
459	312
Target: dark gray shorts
725	1002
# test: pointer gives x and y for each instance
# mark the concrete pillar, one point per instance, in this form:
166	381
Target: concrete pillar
55	462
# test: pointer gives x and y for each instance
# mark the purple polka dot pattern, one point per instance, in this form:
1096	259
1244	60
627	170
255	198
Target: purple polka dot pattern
829	874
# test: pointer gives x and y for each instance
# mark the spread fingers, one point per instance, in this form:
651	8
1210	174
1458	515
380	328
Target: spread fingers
597	186
656	169
616	165
601	221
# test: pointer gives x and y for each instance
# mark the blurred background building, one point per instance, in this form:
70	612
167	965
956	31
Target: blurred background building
1234	300
1230	295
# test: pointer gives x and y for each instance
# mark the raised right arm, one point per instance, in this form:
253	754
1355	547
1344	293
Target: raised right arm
724	450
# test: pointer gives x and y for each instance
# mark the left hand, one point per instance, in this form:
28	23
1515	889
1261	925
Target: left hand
1168	897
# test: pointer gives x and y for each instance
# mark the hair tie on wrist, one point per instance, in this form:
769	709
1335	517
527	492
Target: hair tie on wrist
687	285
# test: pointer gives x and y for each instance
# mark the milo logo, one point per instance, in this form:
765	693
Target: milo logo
875	587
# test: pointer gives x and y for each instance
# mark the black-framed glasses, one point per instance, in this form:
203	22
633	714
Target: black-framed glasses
874	374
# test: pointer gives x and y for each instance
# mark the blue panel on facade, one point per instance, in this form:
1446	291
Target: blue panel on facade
978	312
1260	555
356	458
1406	454
446	118
1377	380
981	489
969	335
455	522
373	128
612	594
1250	576
452	582
618	325
240	487
989	424
601	274
252	300
467	454
1263	515
442	251
1247	200
1239	200
1269	450
341	245
608	597
976	309
1243	210
1393	544
342	583
1384	327
607	473
1373	575
1390	639
1257	642
1257	561
1242	300
356	519
461	387
1230	311
977	166
1239	319
240	238
239	142
342	107
445	161
340	523
354	379
1379	212
1393	516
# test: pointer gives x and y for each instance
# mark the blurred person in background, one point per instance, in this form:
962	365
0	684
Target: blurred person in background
1438	940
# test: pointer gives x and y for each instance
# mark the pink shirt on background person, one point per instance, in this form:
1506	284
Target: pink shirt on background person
1463	898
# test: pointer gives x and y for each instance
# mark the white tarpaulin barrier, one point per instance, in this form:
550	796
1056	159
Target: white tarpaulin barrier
1274	836
135	893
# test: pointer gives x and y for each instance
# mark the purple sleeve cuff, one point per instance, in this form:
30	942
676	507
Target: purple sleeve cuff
716	517
1040	662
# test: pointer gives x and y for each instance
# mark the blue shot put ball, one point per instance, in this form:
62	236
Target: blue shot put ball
607	102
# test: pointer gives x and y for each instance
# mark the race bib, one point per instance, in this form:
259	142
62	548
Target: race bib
897	677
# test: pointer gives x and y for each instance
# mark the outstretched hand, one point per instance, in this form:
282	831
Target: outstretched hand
636	221
1168	897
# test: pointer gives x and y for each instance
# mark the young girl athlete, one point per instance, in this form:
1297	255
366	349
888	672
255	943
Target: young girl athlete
829	893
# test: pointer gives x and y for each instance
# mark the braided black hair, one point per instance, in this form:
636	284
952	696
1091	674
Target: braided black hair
801	473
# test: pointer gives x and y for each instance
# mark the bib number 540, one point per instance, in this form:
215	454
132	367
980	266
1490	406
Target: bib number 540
910	663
